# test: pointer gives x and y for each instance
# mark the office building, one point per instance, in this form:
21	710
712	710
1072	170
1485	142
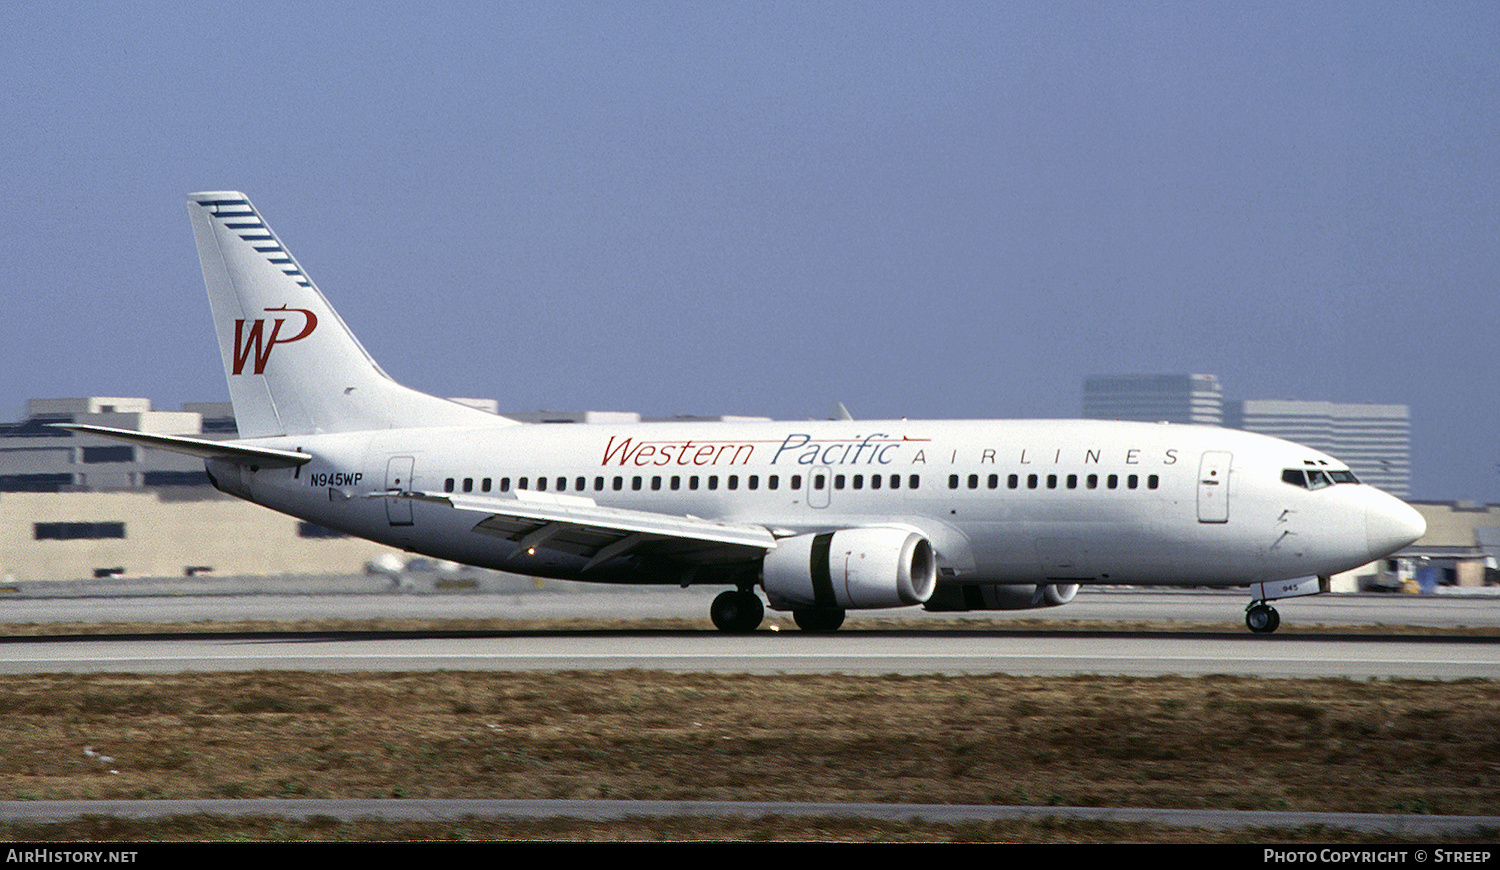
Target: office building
1154	398
1374	439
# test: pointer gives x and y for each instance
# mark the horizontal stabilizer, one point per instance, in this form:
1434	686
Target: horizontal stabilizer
236	452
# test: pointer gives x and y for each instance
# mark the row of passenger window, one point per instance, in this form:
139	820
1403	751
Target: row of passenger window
1054	481
857	481
618	484
773	482
677	482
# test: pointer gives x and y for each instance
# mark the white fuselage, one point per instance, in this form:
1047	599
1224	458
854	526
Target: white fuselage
1066	501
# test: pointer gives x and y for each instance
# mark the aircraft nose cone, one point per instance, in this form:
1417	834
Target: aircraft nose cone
1391	524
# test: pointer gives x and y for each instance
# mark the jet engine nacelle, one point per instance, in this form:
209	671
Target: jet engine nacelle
997	597
851	568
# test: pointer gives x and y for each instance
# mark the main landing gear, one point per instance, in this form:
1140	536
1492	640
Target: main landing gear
820	620
737	611
1261	617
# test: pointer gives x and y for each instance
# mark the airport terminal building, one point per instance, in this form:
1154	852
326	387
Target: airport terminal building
75	506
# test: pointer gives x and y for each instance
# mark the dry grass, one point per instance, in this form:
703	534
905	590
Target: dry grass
1218	742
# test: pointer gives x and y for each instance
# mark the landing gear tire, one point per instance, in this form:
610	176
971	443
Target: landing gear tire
819	619
1262	618
737	612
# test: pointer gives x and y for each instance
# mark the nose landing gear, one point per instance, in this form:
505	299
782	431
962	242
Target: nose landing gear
1261	617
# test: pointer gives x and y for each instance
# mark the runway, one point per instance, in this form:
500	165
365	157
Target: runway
504	597
854	652
1392	824
967	646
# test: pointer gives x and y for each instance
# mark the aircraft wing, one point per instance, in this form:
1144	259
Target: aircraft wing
237	452
577	525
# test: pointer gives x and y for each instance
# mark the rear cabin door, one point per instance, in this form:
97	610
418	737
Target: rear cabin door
398	478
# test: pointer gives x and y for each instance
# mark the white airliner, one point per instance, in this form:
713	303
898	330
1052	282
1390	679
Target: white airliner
822	516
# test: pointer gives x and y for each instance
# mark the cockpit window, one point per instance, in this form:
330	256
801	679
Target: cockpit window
1316	478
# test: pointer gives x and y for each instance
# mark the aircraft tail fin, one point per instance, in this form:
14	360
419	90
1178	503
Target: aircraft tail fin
293	365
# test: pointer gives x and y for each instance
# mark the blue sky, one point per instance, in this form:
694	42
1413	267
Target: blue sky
923	210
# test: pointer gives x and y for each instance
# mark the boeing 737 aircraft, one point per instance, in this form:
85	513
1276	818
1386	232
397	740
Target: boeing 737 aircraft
821	516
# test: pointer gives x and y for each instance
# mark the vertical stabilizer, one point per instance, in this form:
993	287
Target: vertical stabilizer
293	366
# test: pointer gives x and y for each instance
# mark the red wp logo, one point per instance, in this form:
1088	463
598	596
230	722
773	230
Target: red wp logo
255	341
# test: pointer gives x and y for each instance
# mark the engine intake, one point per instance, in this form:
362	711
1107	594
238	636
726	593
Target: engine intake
851	568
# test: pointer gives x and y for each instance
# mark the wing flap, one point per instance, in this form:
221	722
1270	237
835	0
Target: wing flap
580	527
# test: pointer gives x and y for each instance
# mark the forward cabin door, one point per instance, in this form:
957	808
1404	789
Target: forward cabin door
398	478
1213	487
